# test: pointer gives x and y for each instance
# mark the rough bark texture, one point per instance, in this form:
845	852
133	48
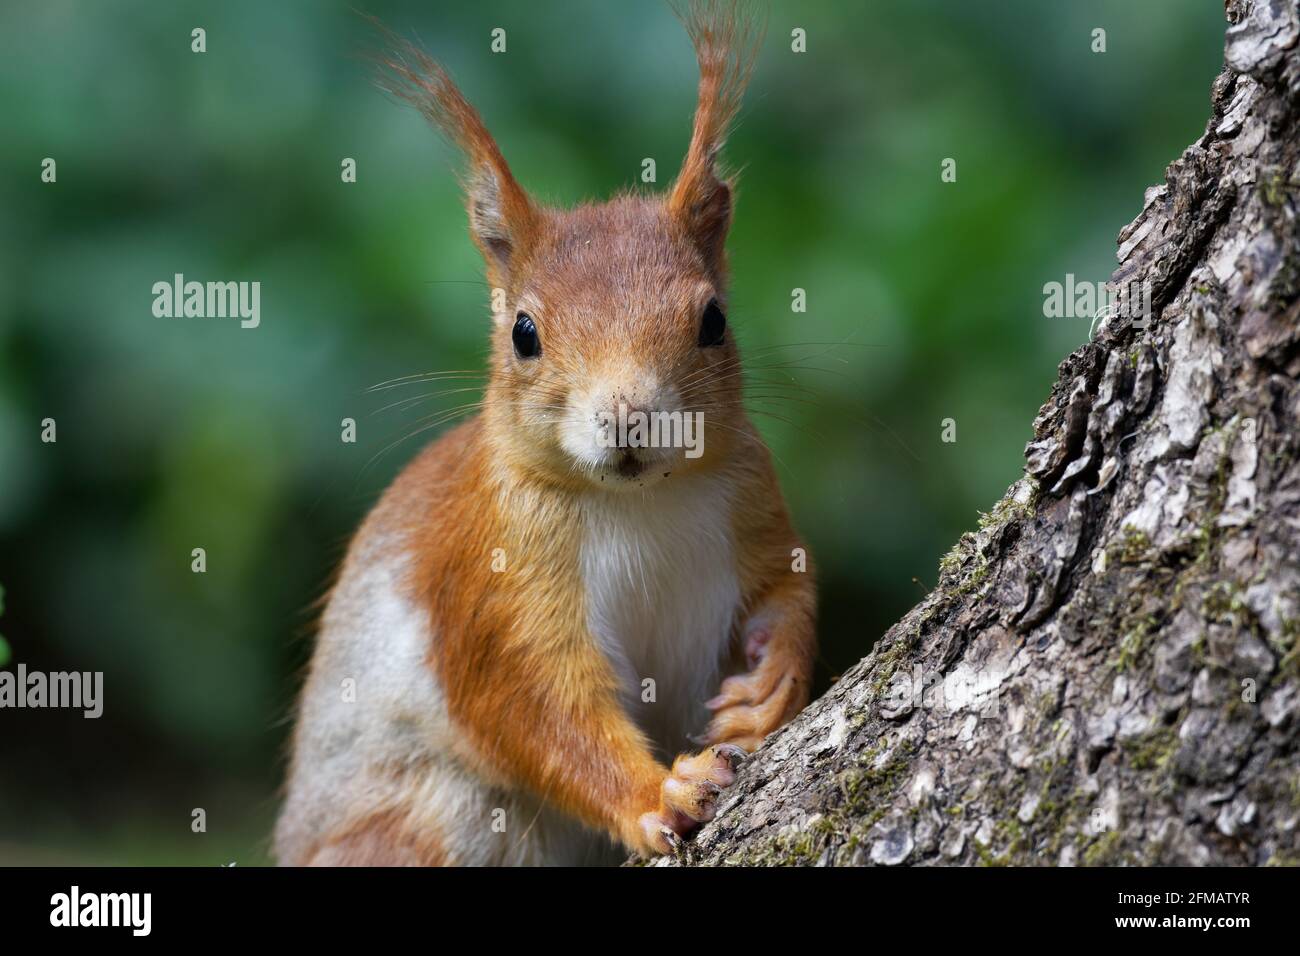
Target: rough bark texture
1108	670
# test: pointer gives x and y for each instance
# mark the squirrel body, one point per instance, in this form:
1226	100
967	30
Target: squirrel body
532	623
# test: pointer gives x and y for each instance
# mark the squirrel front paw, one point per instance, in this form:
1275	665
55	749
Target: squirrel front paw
750	706
688	797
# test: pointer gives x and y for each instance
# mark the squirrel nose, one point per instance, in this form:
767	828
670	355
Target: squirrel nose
631	399
625	406
618	408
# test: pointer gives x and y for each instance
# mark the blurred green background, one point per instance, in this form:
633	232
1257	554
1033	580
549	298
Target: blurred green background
183	433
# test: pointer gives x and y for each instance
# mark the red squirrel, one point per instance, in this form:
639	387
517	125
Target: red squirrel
535	618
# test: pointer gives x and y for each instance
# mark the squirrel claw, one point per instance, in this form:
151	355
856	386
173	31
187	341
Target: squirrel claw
689	796
750	706
734	755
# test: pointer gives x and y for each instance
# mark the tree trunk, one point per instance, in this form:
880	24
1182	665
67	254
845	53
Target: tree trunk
1108	669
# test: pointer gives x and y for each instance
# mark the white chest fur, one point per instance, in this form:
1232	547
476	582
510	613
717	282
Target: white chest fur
662	597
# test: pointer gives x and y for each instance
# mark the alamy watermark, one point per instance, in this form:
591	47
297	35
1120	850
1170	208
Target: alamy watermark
209	300
78	690
638	429
1083	299
133	911
964	689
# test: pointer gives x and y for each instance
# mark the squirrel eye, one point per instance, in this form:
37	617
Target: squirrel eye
713	326
524	335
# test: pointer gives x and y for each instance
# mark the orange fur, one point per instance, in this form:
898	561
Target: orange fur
535	698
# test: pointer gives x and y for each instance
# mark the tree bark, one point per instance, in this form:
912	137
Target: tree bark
1108	669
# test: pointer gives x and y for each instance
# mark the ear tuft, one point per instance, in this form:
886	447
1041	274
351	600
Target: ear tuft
726	39
503	220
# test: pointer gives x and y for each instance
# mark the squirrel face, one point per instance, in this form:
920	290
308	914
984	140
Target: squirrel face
613	363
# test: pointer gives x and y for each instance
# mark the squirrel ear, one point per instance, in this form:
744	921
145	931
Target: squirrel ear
726	43
704	208
503	220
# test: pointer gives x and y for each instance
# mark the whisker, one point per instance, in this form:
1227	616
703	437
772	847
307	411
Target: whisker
423	377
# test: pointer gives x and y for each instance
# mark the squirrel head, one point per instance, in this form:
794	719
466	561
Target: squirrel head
612	359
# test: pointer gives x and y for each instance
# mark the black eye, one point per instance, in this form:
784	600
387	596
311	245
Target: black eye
527	345
713	326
